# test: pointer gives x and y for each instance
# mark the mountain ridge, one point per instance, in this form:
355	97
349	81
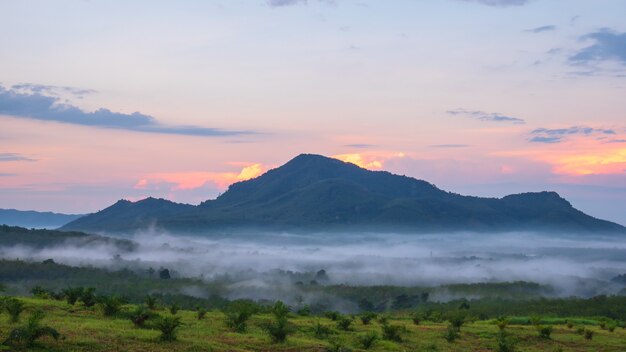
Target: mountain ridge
314	192
35	219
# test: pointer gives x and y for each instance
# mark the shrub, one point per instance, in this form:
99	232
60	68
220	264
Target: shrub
280	310
14	307
588	334
451	334
535	320
337	346
383	319
139	316
392	332
304	311
332	315
72	294
544	331
151	302
504	343
29	333
580	330
457	321
174	308
168	327
502	323
88	297
238	314
279	329
367	317
110	305
321	331
569	324
40	292
344	323
368	340
611	326
417	319
201	313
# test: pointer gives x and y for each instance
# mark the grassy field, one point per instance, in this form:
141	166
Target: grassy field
86	329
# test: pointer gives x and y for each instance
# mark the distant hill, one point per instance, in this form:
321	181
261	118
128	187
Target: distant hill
11	236
316	193
36	219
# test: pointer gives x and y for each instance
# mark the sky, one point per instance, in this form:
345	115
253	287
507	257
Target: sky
104	100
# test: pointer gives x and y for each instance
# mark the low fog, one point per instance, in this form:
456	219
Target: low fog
571	265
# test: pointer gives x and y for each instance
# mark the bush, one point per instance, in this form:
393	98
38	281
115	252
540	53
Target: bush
321	331
392	332
280	310
14	307
451	334
168	327
580	330
72	294
344	323
238	314
279	329
611	327
544	331
337	346
417	319
201	312
457	321
174	308
569	324
588	334
332	315
139	316
33	330
40	292
502	323
110	305
504	343
88	297
368	340
304	311
151	302
367	317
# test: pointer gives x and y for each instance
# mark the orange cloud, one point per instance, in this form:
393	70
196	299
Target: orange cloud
595	163
194	180
371	161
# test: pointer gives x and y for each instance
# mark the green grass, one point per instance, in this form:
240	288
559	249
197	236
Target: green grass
86	329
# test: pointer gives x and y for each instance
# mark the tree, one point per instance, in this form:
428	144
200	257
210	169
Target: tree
168	327
14	307
164	274
33	330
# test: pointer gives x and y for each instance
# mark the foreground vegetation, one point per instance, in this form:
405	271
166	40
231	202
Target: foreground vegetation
48	324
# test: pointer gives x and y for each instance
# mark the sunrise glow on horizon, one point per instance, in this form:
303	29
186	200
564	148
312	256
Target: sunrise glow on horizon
104	100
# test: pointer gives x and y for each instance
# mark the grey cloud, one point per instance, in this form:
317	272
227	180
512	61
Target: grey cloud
617	141
545	135
14	157
449	146
608	45
280	3
51	90
484	116
6	174
36	105
542	29
500	3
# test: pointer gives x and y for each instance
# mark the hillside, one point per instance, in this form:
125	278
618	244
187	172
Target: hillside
313	192
35	219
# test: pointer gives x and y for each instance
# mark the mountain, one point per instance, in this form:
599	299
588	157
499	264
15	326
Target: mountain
34	219
313	192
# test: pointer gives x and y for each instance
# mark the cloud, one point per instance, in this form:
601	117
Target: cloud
500	3
14	157
360	145
35	104
617	141
51	90
449	146
542	29
608	46
280	3
558	135
6	174
484	116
